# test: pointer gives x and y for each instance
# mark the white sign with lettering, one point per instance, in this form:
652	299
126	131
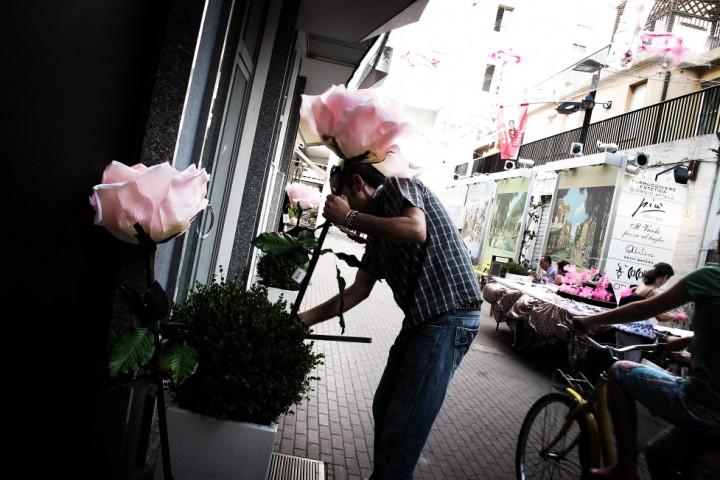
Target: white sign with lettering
645	230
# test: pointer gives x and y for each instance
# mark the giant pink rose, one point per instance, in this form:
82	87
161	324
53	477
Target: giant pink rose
303	195
163	200
354	124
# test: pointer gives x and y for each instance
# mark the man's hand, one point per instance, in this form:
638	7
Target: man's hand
336	209
300	318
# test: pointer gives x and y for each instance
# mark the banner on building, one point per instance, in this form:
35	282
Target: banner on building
645	230
510	130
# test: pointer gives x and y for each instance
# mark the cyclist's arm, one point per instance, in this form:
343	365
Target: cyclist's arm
675	296
663	316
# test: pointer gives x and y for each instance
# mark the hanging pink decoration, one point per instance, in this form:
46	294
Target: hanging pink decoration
510	135
502	58
673	49
626	37
419	60
505	57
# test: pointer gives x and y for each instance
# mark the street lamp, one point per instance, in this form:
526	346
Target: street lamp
587	65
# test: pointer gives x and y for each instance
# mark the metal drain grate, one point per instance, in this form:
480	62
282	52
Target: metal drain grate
287	467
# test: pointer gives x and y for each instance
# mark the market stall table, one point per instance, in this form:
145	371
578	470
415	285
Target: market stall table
533	311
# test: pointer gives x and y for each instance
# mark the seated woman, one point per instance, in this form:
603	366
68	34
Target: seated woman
561	272
643	331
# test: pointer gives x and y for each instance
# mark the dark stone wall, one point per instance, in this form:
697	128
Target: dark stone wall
82	93
77	98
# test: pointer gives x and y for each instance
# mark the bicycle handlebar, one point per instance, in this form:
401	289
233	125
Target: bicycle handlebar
645	347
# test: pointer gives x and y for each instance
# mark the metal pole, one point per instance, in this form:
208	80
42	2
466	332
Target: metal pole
316	253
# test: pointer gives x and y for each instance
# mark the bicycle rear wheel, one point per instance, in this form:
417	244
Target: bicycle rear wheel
567	458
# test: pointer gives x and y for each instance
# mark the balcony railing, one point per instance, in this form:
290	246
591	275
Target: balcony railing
682	117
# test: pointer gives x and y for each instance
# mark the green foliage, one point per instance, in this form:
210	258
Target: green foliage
254	361
512	267
297	248
277	270
148	351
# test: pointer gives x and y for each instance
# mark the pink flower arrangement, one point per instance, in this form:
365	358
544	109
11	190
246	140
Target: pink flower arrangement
574	284
626	291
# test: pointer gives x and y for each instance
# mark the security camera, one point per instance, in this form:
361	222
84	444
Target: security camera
459	177
509	164
608	147
640	160
525	163
576	149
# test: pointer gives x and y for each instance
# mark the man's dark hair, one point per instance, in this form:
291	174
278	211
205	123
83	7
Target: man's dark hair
547	258
367	172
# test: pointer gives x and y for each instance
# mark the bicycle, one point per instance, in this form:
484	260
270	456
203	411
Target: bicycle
567	432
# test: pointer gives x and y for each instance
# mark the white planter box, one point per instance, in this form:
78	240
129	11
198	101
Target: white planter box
288	295
206	448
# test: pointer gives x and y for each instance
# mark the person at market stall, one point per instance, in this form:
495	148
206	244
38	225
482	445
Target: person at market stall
415	247
548	272
643	331
690	404
560	278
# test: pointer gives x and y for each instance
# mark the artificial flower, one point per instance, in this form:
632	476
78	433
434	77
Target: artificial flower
303	196
358	128
574	284
626	291
146	206
160	199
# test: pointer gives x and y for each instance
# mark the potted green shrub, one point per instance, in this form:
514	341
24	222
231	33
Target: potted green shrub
514	268
277	271
254	364
281	275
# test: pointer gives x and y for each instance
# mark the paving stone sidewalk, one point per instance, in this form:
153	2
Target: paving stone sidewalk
473	437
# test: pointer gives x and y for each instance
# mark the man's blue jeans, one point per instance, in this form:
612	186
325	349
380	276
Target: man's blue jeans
420	365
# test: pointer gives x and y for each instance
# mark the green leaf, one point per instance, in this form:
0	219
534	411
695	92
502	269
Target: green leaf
307	239
132	352
156	303
276	243
352	235
178	359
341	287
351	260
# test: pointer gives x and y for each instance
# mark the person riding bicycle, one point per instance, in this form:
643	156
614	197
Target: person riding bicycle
691	404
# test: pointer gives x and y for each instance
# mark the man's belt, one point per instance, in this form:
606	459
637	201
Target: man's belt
476	305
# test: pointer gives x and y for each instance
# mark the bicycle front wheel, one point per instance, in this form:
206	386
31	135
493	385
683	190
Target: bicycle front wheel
535	458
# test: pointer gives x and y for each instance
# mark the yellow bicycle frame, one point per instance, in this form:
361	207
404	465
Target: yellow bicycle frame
596	417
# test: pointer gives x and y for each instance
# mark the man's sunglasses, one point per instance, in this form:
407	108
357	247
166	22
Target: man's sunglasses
335	169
